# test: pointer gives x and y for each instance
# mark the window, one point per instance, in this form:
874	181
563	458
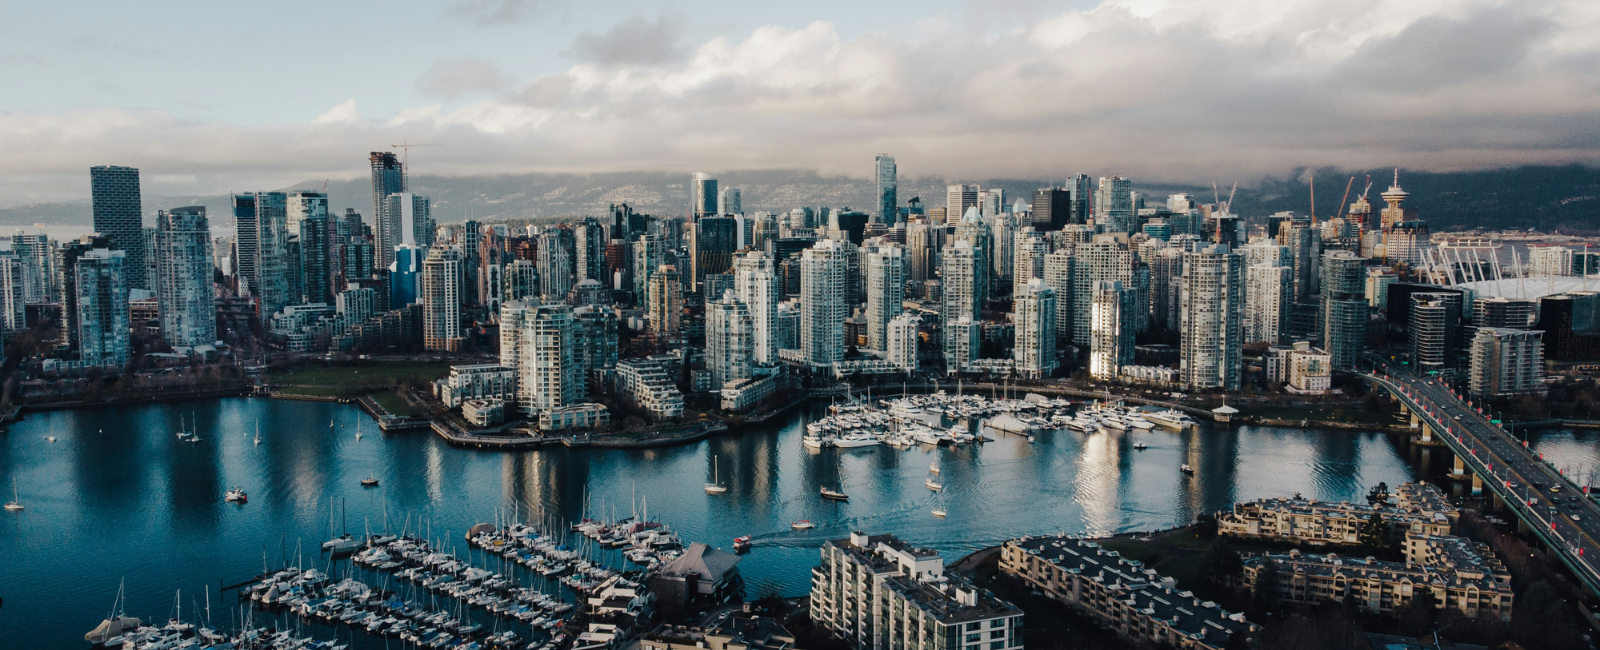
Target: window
973	638
974	625
997	645
997	634
997	622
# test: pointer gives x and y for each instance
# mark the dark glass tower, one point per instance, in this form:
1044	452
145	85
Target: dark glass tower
117	216
388	177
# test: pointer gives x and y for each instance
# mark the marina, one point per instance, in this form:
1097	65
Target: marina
941	419
117	479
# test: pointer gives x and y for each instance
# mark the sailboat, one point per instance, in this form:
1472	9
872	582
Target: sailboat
933	483
934	466
258	432
16	502
938	508
358	429
715	486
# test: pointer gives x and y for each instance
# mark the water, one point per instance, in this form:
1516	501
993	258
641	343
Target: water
118	497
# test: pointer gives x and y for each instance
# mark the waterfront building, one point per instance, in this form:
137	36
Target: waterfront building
1435	317
1269	297
665	300
902	337
1310	370
886	292
1344	307
440	288
744	395
549	375
1111	335
730	340
963	281
1137	603
1460	574
102	308
1507	362
703	196
556	263
487	381
1058	275
822	301
963	340
1105	258
1211	354
644	384
577	416
711	245
756	285
186	296
13	310
879	593
1418	508
1034	314
118	214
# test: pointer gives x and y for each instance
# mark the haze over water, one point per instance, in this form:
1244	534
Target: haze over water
118	496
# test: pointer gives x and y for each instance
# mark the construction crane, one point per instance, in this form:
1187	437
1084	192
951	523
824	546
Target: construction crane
406	146
1340	212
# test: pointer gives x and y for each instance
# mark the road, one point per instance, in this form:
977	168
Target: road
1554	506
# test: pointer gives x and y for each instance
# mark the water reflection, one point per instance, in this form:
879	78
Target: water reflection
136	503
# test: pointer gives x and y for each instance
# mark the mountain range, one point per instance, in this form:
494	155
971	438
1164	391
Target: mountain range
1545	198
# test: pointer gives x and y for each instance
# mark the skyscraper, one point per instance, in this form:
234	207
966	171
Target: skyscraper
822	301
589	241
957	198
711	247
521	280
886	292
1166	277
888	211
902	339
1058	276
37	257
665	300
1114	204
963	281
756	284
1434	320
703	199
102	305
1028	254
316	261
1081	187
1507	362
263	240
407	220
13	311
1344	307
440	286
118	215
1269	297
730	201
1034	313
538	340
649	254
1111	329
1052	208
183	248
730	340
1210	352
557	266
388	177
1105	258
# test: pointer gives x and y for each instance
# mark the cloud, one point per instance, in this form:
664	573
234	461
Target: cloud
633	42
1178	90
497	12
452	79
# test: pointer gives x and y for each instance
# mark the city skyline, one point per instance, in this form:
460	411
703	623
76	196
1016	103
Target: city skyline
1210	93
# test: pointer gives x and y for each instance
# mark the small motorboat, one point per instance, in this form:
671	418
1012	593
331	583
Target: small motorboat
803	524
50	438
236	495
1140	446
741	544
834	495
369	481
939	512
1186	469
933	485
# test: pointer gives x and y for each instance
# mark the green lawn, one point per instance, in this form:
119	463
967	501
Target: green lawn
1354	415
391	402
377	372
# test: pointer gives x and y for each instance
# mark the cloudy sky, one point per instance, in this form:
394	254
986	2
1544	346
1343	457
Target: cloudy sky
217	96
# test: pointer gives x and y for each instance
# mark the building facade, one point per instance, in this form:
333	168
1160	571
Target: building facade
1034	314
1211	350
186	296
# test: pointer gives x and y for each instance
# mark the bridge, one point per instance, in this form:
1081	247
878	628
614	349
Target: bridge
1552	506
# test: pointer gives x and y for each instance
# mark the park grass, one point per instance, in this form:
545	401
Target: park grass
1351	415
393	403
370	374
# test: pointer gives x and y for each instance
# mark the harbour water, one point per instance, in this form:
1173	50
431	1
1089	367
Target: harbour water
118	497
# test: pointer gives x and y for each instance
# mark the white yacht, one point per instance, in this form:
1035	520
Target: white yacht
856	440
1170	419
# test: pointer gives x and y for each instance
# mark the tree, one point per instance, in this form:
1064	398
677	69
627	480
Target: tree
1374	533
1205	525
1418	615
1379	495
1220	564
1543	619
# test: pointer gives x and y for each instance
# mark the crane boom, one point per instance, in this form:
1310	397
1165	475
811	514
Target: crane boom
1340	212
